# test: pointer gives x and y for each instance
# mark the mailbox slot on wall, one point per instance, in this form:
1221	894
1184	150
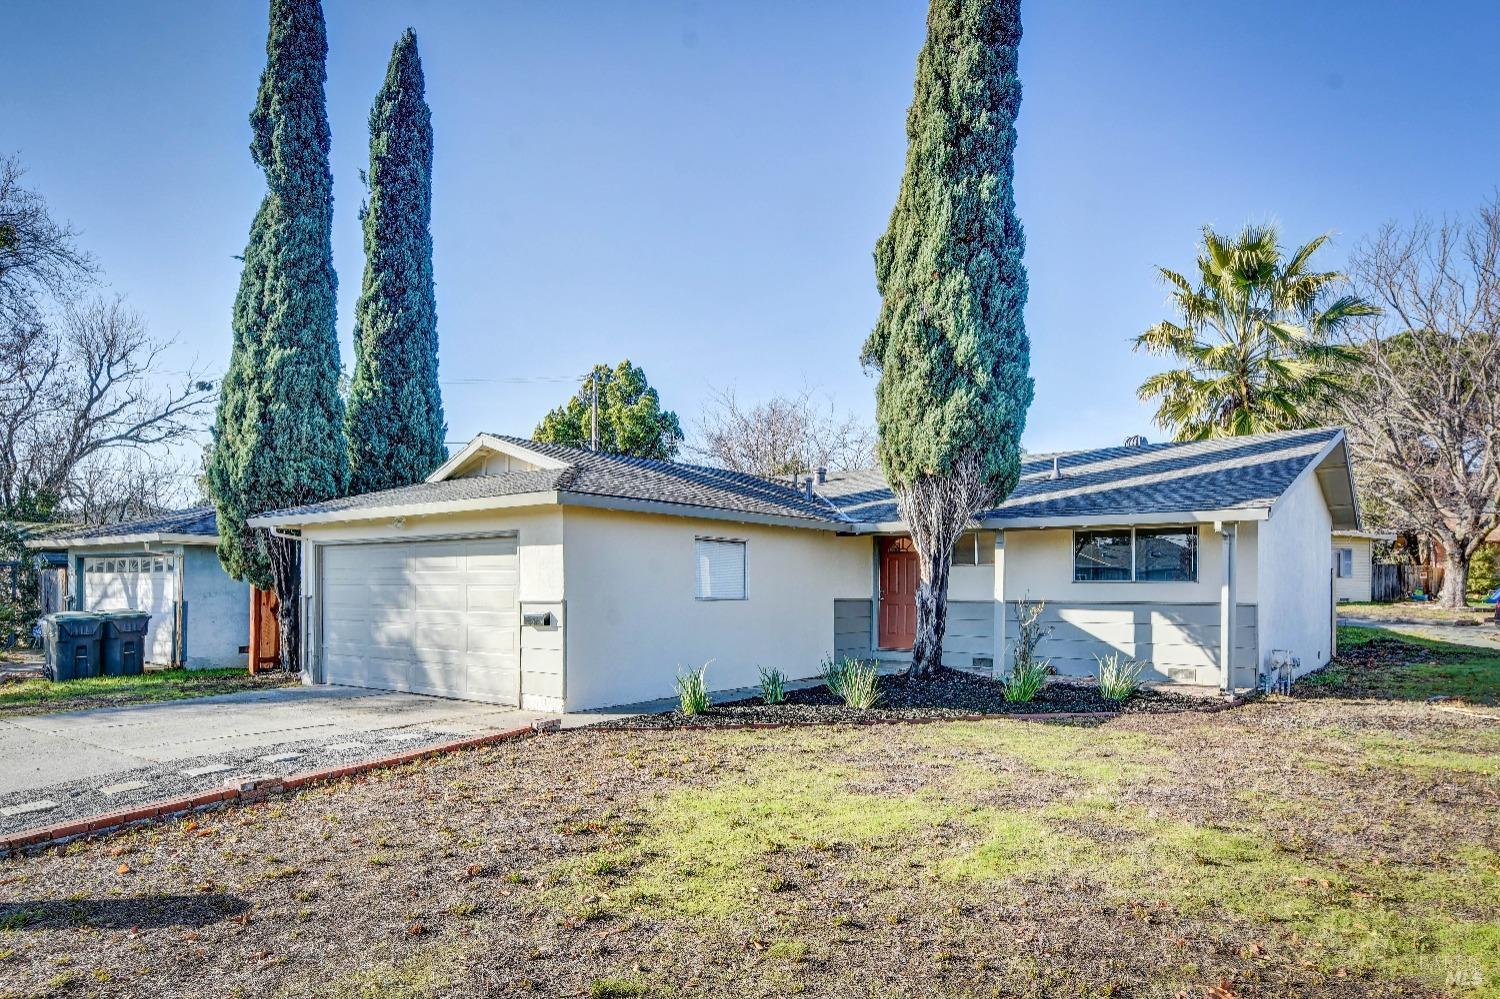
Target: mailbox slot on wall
542	620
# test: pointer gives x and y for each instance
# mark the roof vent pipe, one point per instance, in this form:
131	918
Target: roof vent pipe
807	486
822	474
1056	468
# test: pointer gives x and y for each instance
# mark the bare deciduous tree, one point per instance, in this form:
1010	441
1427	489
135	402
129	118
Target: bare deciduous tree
785	435
110	488
39	258
1424	413
86	386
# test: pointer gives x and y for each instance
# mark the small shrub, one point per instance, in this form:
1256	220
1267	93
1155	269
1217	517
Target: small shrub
1026	680
834	672
692	691
1119	678
772	685
860	684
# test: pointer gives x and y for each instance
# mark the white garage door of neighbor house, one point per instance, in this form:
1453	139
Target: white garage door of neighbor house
431	617
136	582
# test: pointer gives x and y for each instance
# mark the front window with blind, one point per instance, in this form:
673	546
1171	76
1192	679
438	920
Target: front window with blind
1141	555
1345	562
720	565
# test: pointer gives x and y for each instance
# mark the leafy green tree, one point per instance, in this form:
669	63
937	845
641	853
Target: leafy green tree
279	431
1254	337
950	342
395	425
631	420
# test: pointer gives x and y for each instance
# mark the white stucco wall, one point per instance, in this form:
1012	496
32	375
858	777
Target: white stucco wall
634	620
1356	586
217	611
1296	612
1173	625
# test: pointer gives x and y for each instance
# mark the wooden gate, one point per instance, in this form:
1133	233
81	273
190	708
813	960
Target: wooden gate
264	650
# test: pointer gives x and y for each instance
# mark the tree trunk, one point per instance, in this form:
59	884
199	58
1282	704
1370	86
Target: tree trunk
1455	592
932	609
286	573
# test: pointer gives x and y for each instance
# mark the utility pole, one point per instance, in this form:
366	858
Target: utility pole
594	411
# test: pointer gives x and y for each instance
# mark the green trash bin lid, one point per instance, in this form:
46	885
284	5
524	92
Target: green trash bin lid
127	622
76	624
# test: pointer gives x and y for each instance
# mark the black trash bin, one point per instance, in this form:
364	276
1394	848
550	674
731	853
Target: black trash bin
73	641
124	646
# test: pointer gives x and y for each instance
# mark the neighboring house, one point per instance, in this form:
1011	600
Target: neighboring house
1355	564
554	578
167	566
1353	561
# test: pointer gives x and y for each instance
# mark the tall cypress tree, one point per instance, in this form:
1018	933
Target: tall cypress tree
279	431
950	342
396	427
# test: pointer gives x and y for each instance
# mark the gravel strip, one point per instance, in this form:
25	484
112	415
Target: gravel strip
949	694
112	792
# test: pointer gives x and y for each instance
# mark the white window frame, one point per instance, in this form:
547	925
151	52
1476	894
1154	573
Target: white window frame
1340	557
744	547
1134	580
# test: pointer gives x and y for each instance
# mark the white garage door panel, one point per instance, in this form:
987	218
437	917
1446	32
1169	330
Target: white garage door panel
433	617
142	583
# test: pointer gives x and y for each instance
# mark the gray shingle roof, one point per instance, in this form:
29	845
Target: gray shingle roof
199	521
1232	473
1223	474
451	490
605	475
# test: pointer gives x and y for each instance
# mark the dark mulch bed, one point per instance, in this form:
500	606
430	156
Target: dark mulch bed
949	694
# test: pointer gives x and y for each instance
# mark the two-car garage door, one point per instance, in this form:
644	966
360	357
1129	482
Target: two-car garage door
432	617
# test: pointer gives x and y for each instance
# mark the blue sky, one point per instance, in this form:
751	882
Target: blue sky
698	185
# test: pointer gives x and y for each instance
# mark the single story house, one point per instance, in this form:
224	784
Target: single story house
167	566
1354	565
562	579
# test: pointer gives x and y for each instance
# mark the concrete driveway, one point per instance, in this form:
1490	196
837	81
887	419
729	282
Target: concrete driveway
82	759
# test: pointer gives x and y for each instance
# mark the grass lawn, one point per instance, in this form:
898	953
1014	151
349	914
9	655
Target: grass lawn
28	697
1312	846
1382	663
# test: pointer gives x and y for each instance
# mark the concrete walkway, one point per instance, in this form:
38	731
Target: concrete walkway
1484	636
41	751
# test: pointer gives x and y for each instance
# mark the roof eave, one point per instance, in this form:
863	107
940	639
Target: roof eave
1224	515
547	497
111	540
1338	442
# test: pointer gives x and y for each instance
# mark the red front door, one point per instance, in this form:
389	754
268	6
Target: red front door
898	593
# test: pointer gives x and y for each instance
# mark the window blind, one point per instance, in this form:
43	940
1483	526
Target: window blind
721	569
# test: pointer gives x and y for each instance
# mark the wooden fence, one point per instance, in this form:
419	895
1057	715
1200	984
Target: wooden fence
1389	583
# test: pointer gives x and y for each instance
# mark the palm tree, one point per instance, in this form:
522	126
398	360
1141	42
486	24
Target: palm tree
1254	339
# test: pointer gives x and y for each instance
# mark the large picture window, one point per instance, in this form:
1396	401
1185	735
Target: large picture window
1099	556
1142	555
1166	554
720	568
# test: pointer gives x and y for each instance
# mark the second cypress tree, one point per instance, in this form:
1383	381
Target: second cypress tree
395	421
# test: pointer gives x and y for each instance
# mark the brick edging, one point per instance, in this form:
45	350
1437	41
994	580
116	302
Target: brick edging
250	790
